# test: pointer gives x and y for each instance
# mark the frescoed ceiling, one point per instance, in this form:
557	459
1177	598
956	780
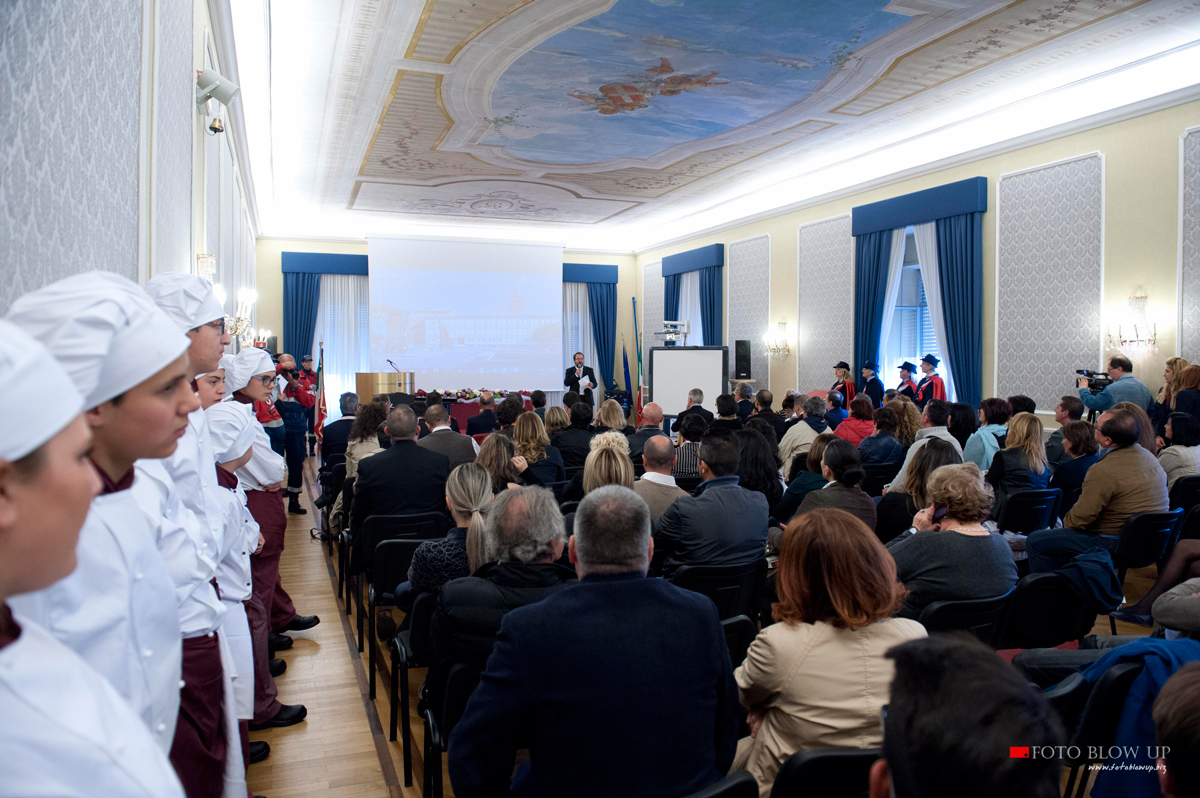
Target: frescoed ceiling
597	118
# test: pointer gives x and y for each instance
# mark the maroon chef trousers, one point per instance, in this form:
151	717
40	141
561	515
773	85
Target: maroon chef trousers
198	751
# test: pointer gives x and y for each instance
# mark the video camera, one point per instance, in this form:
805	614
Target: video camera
1097	381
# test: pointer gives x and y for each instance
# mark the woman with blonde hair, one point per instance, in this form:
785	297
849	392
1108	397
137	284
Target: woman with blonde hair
557	419
819	677
531	442
1171	374
845	382
607	465
1021	464
908	420
612	418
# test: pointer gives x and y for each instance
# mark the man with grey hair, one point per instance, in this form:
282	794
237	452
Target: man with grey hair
336	434
799	438
486	420
580	672
657	487
745	408
694	400
523	539
651	426
459	449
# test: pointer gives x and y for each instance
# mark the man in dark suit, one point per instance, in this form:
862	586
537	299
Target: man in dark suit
567	679
695	397
404	478
538	400
486	420
335	435
762	409
575	441
652	419
581	379
722	523
745	408
458	448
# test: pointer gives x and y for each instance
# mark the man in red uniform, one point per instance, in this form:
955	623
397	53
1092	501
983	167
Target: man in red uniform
931	385
308	381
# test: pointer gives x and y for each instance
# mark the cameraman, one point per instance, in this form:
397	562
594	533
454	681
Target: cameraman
1124	388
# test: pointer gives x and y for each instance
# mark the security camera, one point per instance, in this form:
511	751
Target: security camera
210	83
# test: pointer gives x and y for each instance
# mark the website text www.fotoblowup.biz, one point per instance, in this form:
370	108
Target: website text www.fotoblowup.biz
1113	757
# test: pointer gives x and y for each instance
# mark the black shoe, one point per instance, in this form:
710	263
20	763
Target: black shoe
300	623
294	506
277	667
288	715
259	750
1128	616
279	642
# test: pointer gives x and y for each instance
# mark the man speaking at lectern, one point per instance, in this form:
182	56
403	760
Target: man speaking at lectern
581	379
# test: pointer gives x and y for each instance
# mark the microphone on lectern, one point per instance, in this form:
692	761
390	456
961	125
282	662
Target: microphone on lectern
390	363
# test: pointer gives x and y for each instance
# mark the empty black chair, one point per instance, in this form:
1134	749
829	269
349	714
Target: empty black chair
460	683
390	568
736	785
826	773
1043	611
740	632
735	589
1097	728
410	649
1146	539
977	616
879	475
1030	510
688	484
1185	494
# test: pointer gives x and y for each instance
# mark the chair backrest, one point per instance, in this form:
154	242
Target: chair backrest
1185	494
333	460
557	488
978	616
421	625
1069	500
460	683
1043	611
735	589
568	507
480	436
390	562
688	484
378	528
1190	529
817	772
1068	698
1098	723
740	784
879	475
1145	538
1030	510
740	632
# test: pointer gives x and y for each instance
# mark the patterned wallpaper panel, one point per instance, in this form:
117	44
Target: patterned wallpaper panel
174	116
651	308
825	330
1050	268
1190	243
748	292
69	152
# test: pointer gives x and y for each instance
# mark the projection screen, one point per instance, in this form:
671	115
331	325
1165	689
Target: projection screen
464	314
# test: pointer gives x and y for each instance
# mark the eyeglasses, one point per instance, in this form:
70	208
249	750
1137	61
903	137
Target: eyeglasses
267	379
218	325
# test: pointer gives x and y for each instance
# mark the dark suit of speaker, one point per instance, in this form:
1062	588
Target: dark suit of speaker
403	479
572	382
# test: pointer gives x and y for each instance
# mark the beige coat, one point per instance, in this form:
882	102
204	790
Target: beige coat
821	687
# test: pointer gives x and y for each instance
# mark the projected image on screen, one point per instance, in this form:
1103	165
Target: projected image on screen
465	325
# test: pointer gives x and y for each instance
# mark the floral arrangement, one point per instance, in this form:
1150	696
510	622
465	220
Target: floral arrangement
472	394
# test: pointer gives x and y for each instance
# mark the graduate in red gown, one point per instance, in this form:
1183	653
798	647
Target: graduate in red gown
907	387
845	382
931	385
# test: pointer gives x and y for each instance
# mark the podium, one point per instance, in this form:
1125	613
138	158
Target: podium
368	384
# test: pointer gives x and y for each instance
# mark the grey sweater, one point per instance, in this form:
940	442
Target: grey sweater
947	566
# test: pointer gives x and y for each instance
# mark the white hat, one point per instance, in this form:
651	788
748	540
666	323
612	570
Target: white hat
37	398
186	298
105	331
241	367
231	429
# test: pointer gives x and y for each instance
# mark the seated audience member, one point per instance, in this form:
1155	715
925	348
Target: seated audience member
404	479
860	424
496	455
1068	409
1126	480
557	420
1079	445
652	419
908	419
537	400
836	413
954	558
435	398
1146	437
657	487
363	442
818	677
1186	398
1164	401
934	418
963	422
896	509
611	416
570	671
757	469
570	399
881	448
419	405
762	410
531	442
727	417
607	465
522	538
1181	457
1124	387
842	473
796	440
335	435
508	412
984	442
767	431
396	399
745	407
687	460
459	449
1177	733
890	394
1183	564
722	523
574	442
486	420
1021	465
787	409
695	397
954	710
806	478
1022	404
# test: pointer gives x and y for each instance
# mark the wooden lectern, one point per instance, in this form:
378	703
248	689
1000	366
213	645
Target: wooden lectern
369	384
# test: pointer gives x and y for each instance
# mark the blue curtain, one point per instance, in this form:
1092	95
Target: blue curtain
960	267
602	307
872	251
671	300
301	296
711	290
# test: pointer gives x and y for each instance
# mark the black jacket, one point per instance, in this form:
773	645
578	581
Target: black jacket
745	409
405	478
1009	474
874	389
880	449
550	468
572	383
335	436
484	422
695	410
775	420
573	443
732	424
618	686
637	441
722	523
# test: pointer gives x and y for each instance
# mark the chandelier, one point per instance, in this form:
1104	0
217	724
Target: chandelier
777	345
239	325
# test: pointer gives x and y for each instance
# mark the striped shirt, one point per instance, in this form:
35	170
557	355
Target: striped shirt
687	460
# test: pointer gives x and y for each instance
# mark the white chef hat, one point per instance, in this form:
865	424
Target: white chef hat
105	331
186	298
241	367
231	429
37	398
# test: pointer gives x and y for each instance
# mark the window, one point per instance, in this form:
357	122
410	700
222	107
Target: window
911	336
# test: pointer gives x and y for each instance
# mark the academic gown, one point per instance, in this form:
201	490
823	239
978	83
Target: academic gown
874	389
67	733
907	388
930	387
846	389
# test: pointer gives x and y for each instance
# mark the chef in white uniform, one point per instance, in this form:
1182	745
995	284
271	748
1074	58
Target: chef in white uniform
65	730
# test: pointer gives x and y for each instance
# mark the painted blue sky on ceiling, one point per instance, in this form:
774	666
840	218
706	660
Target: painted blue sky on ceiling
649	74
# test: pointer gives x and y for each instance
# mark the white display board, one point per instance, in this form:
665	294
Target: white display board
675	370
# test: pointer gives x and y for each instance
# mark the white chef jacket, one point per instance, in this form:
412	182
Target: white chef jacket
265	467
67	733
234	577
117	611
192	469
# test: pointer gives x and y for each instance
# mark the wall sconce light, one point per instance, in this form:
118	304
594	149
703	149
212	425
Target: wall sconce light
206	265
777	345
238	325
1135	336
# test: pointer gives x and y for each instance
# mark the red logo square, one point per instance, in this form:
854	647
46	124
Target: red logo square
1018	752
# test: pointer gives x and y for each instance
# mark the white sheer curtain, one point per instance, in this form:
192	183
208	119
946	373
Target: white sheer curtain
577	335
895	271
343	325
926	237
689	307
